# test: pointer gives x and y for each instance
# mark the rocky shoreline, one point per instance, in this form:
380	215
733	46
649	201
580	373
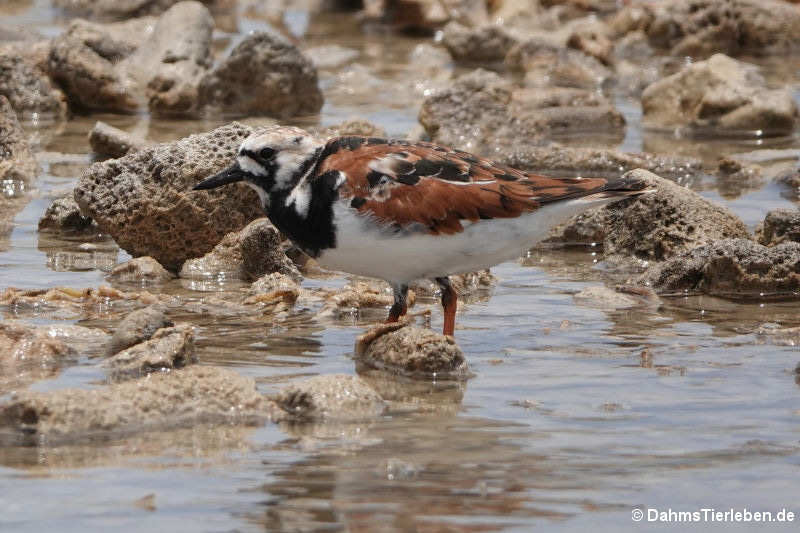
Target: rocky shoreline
505	87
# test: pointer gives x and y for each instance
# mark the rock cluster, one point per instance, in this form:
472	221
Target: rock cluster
720	94
483	112
164	65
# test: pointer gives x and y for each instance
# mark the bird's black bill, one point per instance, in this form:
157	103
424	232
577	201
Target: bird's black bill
229	175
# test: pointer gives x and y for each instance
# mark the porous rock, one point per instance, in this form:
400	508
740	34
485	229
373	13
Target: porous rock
86	61
136	327
483	112
546	64
144	200
26	84
194	395
126	66
140	270
108	141
64	216
168	348
247	254
411	351
172	62
730	267
702	27
331	397
719	93
484	44
654	226
780	225
263	74
353	126
16	159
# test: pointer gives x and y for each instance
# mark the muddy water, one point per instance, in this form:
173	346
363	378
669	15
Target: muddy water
575	416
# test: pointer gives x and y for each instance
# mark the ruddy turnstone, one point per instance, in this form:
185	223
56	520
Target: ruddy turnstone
401	210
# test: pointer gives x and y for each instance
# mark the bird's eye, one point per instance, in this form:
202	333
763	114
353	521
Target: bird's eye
266	153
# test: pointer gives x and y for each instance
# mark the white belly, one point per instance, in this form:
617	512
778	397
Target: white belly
364	248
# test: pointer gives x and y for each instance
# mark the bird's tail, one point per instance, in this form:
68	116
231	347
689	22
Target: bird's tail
627	186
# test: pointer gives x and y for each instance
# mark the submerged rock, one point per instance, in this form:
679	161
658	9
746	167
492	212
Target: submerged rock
79	301
274	286
137	327
264	74
733	27
780	225
334	397
411	351
168	348
140	270
26	84
247	254
720	93
108	141
64	216
360	295
622	297
731	267
29	353
16	159
655	226
194	395
119	195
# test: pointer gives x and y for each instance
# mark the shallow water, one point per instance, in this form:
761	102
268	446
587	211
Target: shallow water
566	424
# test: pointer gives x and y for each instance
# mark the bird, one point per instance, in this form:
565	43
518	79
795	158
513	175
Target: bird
403	210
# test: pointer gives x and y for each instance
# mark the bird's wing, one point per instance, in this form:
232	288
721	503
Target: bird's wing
401	183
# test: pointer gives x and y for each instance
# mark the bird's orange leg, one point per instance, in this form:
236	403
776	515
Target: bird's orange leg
400	305
449	304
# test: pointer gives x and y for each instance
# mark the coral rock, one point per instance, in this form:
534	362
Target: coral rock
144	200
263	74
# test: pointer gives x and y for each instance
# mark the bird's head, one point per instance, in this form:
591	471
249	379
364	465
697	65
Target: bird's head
269	161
